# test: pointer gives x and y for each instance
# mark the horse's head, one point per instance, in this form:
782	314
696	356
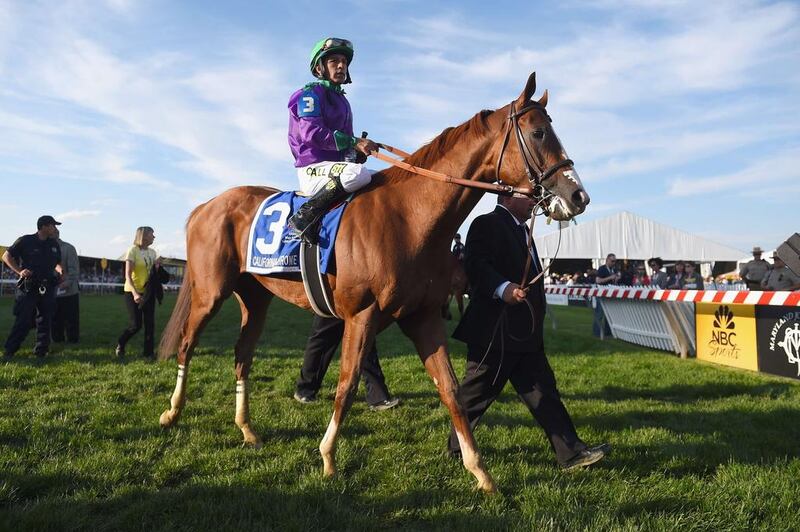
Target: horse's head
536	159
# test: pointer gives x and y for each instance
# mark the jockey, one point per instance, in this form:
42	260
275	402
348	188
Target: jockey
321	137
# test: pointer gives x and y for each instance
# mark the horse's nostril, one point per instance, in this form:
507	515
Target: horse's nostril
580	198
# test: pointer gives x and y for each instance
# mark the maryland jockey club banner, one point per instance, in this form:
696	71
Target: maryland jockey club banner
755	337
779	340
270	250
726	334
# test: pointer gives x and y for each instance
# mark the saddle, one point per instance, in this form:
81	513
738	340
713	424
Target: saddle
273	250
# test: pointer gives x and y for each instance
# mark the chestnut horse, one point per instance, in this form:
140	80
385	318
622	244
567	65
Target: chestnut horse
391	259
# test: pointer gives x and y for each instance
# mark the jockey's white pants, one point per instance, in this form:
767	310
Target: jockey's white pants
353	176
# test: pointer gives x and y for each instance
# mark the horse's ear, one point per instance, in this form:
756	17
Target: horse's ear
530	88
543	99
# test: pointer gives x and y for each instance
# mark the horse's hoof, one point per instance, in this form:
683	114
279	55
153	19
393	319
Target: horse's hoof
328	467
167	419
251	440
488	487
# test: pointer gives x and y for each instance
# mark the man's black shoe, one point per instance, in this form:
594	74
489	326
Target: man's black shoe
305	398
41	354
587	457
119	351
8	356
386	404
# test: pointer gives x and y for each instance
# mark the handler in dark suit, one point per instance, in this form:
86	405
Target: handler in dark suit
505	338
326	335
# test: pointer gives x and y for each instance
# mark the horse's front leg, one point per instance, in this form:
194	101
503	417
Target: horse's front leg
426	329
359	333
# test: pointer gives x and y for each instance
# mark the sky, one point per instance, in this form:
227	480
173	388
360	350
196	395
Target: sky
121	113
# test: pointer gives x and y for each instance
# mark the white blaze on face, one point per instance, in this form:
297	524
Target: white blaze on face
572	175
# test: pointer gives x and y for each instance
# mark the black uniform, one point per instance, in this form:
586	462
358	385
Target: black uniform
36	296
496	251
326	335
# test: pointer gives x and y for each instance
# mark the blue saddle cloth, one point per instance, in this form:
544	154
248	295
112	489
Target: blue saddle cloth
271	250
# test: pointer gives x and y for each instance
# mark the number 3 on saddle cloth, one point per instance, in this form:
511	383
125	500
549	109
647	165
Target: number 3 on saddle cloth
271	249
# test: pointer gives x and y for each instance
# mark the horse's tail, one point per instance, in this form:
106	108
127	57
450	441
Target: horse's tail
171	337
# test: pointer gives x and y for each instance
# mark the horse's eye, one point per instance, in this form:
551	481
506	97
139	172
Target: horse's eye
537	134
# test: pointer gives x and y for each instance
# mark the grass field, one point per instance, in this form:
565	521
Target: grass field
696	447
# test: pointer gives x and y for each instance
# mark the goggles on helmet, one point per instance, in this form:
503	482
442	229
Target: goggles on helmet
335	42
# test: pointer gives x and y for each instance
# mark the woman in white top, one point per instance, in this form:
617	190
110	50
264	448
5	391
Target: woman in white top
139	262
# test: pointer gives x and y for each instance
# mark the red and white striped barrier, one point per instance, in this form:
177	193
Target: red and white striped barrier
787	299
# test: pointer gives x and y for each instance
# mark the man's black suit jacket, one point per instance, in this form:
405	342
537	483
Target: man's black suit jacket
495	253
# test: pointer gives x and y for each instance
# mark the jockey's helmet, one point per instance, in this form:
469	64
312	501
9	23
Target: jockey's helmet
331	45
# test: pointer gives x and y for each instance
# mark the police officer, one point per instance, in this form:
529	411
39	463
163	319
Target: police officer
36	259
780	277
753	272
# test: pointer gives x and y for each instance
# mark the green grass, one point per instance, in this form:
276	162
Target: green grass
696	447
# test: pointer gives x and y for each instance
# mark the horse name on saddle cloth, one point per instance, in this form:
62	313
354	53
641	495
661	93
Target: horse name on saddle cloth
271	250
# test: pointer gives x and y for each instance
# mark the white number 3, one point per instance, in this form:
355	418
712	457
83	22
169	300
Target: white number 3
274	229
309	107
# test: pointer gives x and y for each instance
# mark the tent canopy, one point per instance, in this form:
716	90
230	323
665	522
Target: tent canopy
630	236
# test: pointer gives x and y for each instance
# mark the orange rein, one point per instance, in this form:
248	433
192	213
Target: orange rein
504	190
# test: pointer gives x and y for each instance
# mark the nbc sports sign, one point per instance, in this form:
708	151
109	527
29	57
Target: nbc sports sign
726	334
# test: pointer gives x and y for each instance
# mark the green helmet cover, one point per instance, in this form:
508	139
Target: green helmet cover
338	46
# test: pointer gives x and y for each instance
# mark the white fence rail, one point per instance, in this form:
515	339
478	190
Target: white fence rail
8	287
664	325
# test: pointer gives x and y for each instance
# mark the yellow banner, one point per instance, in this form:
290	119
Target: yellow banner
726	334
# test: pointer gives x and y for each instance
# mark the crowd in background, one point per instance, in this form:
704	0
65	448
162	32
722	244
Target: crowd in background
757	274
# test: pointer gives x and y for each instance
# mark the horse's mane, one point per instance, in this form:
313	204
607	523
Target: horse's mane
430	153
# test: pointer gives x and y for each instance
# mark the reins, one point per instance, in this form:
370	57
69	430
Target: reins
496	188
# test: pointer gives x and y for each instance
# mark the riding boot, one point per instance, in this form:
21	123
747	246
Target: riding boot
304	221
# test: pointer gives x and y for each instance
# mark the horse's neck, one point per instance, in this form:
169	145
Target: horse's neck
435	210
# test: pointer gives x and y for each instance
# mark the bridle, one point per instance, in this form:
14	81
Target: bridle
534	166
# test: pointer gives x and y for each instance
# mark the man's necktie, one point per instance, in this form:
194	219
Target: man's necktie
522	231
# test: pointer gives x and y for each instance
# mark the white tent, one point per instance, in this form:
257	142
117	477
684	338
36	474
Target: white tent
630	236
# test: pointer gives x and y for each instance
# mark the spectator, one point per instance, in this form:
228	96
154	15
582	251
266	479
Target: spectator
674	280
692	280
780	277
753	272
608	273
626	273
659	278
139	263
458	248
67	314
641	278
591	276
36	259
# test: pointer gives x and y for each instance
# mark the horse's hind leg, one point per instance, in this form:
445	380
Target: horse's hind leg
205	302
253	301
359	333
427	332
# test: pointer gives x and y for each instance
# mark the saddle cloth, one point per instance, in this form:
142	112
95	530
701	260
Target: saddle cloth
271	250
